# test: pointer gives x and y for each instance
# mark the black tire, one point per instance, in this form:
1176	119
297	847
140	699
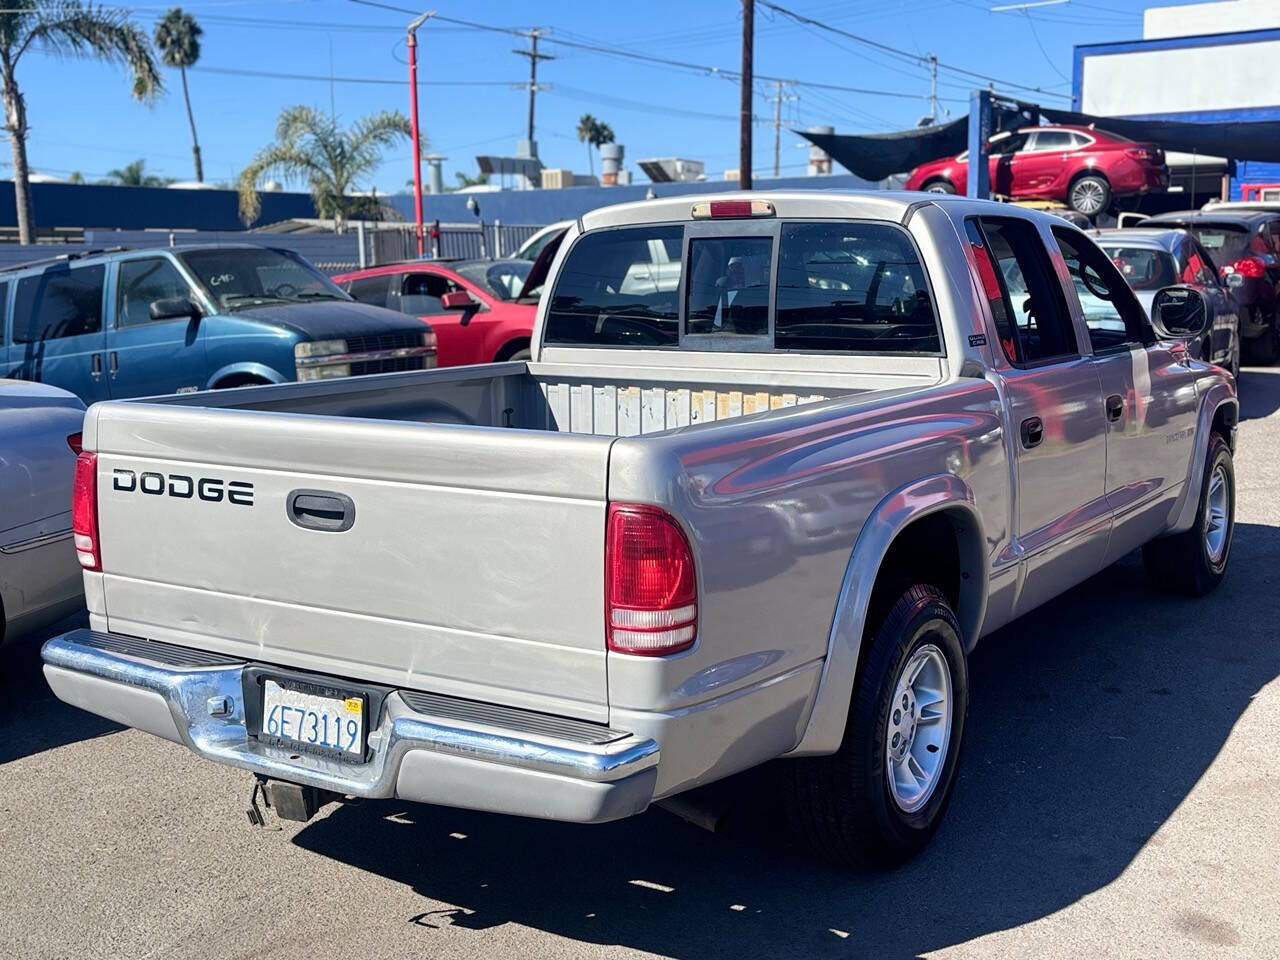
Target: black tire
1184	563
1089	195
524	354
939	186
841	806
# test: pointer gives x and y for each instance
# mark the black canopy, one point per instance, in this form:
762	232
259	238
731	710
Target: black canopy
877	155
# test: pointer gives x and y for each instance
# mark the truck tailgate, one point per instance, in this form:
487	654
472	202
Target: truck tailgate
474	565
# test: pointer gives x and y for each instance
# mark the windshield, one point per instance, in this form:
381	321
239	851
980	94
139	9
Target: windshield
1225	244
503	279
238	277
1143	268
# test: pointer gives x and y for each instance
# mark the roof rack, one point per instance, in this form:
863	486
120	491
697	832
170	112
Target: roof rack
62	258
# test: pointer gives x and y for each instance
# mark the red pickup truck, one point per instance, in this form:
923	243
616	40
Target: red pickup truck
1079	166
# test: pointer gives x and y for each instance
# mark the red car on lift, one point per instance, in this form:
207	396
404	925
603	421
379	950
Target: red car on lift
481	310
1082	167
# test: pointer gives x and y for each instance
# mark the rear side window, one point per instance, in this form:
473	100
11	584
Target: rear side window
60	302
853	287
619	288
1025	295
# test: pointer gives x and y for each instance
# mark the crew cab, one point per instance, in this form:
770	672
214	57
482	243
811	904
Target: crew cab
478	308
129	323
761	509
1083	167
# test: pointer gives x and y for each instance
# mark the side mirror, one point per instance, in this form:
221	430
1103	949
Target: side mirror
457	300
1180	313
173	308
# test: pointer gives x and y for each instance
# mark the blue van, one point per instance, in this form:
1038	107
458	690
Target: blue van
134	323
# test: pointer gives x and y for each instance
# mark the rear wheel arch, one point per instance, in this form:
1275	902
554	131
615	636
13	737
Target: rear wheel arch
240	380
939	506
511	348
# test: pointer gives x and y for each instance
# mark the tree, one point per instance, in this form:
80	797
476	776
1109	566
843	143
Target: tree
310	146
135	175
178	39
63	28
593	133
465	180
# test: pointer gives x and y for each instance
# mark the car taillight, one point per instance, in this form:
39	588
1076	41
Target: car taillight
76	442
1252	267
1143	154
84	511
651	591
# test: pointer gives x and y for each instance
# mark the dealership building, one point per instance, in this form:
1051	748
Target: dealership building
1201	63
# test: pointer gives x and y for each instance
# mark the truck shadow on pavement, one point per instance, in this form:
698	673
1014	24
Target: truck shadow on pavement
32	719
1259	392
1090	721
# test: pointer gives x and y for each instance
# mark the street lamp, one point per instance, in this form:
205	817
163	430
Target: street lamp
412	41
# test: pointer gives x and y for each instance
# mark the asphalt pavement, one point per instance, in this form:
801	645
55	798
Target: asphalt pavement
1119	796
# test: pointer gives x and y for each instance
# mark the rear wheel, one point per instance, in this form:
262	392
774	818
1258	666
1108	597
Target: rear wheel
1195	560
1090	195
882	796
939	186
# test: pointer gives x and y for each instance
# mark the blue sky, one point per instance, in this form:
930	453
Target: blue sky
82	117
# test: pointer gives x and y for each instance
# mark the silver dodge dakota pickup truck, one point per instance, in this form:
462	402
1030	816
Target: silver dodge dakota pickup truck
758	507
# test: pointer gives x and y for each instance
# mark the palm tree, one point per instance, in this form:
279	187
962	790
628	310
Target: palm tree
594	133
135	175
310	146
64	28
178	39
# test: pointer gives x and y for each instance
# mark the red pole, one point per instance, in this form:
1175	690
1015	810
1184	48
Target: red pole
417	145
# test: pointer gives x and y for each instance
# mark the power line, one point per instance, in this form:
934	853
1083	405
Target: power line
895	51
272	75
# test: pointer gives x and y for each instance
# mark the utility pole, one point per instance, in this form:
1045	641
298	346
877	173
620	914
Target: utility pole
777	125
533	88
411	40
748	84
933	87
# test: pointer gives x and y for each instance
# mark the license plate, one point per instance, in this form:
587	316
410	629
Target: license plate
328	723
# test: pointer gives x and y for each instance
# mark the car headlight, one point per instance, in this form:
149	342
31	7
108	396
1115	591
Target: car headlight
429	339
319	348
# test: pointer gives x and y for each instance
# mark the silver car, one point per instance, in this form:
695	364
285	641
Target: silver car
1150	259
40	578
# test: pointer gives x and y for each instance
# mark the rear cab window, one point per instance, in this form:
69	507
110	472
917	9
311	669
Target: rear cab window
847	286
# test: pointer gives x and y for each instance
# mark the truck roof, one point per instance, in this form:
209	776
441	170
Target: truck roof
872	204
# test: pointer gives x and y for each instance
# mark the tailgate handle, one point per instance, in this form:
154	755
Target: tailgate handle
321	510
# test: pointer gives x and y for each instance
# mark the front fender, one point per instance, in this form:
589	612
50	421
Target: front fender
246	369
1221	392
908	503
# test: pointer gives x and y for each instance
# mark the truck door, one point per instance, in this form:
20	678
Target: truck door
58	336
1055	412
148	356
1149	398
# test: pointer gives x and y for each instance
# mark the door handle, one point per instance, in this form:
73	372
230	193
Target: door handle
115	363
321	510
1115	407
1032	432
95	369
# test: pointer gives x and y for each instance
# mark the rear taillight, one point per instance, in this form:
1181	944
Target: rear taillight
1144	154
1252	267
651	590
76	442
84	511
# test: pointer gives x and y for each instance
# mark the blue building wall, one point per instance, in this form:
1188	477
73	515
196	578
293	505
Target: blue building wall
139	208
548	206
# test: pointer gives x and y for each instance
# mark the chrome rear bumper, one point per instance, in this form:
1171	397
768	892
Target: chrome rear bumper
423	747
